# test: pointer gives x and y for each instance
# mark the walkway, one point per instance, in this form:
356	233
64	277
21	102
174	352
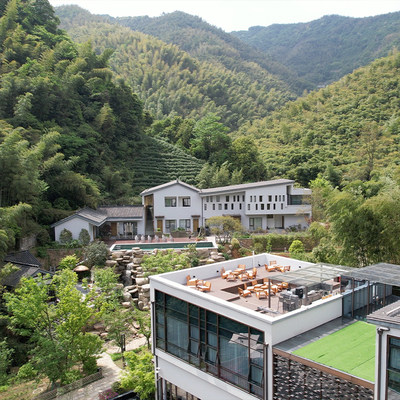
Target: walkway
110	374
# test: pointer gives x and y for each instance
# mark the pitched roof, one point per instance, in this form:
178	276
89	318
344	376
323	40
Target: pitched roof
164	185
244	186
122	211
24	272
94	216
25	258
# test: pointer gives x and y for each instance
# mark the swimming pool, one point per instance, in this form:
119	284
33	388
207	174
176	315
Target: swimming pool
153	246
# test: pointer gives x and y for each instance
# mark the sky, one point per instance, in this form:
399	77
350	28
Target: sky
233	15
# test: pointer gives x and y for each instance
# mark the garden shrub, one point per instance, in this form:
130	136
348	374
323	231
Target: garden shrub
297	247
65	236
84	237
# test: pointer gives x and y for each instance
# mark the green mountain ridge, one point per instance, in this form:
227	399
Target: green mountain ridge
170	81
209	43
324	50
349	130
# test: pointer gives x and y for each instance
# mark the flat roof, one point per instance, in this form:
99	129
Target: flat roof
388	274
300	274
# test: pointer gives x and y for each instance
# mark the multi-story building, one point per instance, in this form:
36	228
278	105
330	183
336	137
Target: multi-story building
212	342
268	205
275	204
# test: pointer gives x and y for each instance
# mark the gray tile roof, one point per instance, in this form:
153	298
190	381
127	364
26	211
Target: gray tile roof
244	186
22	258
164	185
122	211
28	266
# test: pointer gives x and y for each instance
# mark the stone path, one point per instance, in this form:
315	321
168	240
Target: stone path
110	375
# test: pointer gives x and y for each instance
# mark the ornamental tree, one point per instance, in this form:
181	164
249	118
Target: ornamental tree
62	349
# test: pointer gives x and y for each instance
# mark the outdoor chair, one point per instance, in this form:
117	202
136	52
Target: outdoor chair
261	294
244	276
253	273
224	273
231	277
244	292
191	282
205	287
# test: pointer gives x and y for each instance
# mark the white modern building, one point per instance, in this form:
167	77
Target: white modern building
267	205
218	344
259	206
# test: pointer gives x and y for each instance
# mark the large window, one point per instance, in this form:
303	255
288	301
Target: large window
170	225
394	364
185	224
225	348
186	202
255	223
170	201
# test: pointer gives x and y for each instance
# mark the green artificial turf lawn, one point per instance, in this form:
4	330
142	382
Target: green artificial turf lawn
351	349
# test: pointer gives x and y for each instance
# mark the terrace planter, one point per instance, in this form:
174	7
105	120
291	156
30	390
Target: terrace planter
179	234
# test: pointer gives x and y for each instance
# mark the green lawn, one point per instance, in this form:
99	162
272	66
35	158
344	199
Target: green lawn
351	349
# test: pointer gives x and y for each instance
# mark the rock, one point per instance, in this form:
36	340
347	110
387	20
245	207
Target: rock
127	296
142	281
119	286
104	335
137	260
146	287
126	304
145	308
210	261
129	266
116	254
129	288
98	326
140	305
111	263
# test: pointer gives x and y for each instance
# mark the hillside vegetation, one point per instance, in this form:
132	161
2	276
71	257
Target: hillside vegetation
324	50
209	43
70	134
170	81
349	130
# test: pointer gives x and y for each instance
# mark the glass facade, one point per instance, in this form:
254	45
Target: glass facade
394	364
225	348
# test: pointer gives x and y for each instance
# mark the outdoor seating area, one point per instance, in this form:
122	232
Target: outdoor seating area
274	286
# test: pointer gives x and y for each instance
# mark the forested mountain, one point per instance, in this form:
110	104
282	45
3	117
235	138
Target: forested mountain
209	43
171	82
70	135
347	131
324	50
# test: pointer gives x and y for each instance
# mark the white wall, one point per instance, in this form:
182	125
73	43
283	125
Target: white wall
75	225
237	207
197	382
178	191
265	191
305	318
383	361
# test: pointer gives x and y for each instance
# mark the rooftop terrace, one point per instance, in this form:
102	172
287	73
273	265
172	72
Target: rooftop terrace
280	284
